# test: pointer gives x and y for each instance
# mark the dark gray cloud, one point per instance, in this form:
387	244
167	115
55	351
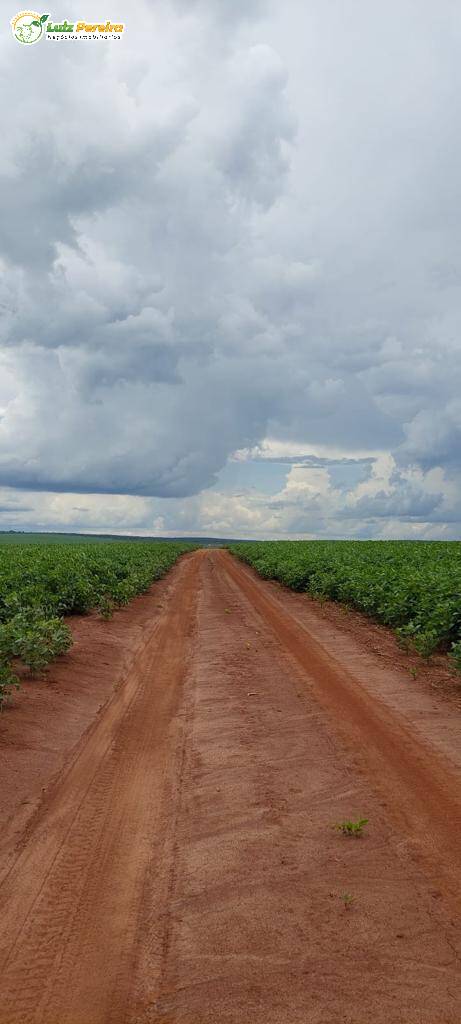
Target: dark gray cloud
312	461
405	503
12	509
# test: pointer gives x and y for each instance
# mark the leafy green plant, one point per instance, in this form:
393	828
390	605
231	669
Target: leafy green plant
348	900
455	655
352	828
34	639
106	606
8	683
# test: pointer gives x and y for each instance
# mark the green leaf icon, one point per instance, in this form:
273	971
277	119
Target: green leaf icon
43	18
35	23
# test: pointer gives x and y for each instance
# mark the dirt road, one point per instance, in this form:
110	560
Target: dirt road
181	867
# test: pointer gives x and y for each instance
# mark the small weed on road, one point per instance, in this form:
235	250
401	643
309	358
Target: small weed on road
352	828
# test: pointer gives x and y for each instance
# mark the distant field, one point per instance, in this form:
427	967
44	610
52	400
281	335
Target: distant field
412	586
99	538
42	582
53	538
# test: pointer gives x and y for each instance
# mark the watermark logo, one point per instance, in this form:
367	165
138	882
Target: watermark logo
27	26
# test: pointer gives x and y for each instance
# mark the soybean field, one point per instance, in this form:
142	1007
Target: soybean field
412	586
40	584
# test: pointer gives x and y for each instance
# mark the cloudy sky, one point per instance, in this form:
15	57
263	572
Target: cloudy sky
230	252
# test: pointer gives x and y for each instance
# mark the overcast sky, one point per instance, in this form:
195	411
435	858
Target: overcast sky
231	271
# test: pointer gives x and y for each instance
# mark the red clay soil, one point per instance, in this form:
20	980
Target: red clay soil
39	732
180	865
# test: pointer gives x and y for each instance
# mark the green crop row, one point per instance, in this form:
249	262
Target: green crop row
40	584
412	586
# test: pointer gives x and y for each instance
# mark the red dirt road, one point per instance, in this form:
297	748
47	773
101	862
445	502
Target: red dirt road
181	867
